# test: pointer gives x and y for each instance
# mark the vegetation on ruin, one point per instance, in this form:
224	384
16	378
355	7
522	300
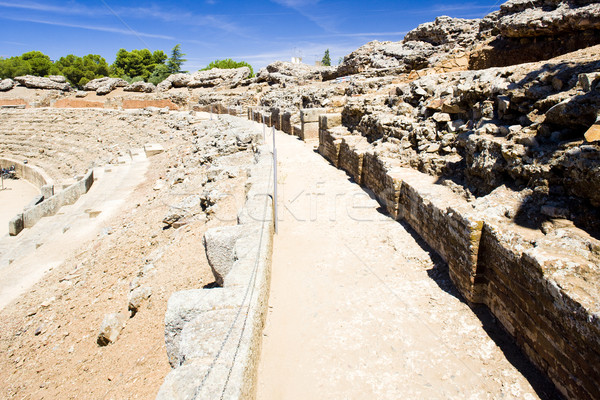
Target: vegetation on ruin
228	64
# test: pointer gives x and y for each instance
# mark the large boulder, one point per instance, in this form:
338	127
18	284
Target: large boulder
446	30
215	77
141	87
521	18
285	72
105	85
219	244
6	84
527	31
111	327
37	82
57	78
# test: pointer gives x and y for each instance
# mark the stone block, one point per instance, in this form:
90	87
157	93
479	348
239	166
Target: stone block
152	149
219	245
276	118
351	153
328	121
297	130
15	225
311	114
47	191
286	122
310	130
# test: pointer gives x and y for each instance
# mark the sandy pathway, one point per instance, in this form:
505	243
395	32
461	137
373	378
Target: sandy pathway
360	310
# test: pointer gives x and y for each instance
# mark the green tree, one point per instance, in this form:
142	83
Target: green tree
137	63
81	70
326	61
176	60
39	62
160	73
228	63
14	66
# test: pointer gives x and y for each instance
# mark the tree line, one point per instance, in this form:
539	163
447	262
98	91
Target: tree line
133	66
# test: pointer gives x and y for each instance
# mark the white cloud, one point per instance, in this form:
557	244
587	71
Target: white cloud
73	9
91	27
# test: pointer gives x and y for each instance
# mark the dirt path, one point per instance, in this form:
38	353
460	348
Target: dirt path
15	195
360	310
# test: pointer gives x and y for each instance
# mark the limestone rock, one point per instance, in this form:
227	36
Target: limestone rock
136	298
219	244
36	82
217	77
57	78
6	84
589	81
144	87
519	18
281	72
593	134
111	328
445	30
105	85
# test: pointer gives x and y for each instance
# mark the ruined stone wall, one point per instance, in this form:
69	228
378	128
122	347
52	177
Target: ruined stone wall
543	294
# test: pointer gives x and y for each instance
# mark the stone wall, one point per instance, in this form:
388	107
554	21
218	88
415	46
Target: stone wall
555	323
213	336
543	294
51	205
29	172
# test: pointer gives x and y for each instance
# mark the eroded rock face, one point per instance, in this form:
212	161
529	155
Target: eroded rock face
6	84
520	18
423	47
111	327
105	85
446	30
215	77
527	31
36	82
281	72
142	87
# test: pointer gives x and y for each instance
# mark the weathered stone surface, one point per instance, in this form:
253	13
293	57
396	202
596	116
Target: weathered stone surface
142	87
105	85
36	82
281	72
212	78
518	18
186	305
6	84
111	328
136	297
311	114
593	134
445	30
219	244
57	78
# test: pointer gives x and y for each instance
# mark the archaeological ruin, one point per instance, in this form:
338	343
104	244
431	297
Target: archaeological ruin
143	258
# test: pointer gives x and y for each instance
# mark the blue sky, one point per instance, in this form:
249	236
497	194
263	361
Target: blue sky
259	32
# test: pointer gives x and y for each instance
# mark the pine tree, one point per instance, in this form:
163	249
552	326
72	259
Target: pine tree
176	60
326	59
